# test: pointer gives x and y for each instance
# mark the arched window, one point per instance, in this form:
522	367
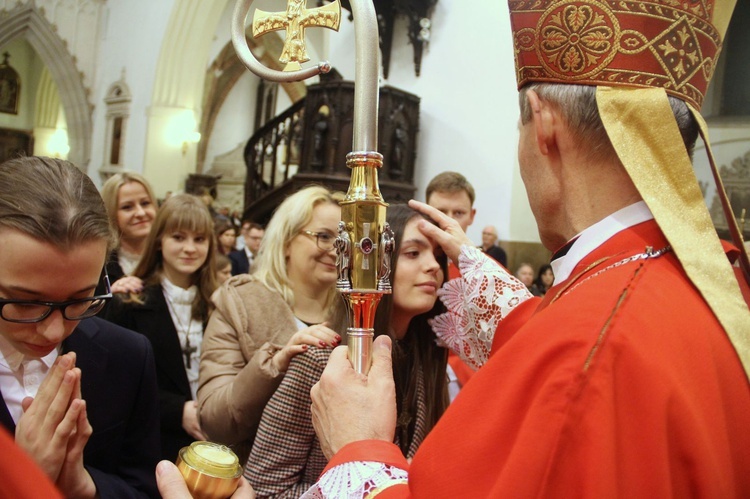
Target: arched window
118	102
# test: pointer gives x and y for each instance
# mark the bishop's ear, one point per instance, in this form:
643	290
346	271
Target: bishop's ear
543	119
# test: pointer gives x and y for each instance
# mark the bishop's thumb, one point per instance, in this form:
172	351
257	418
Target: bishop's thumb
381	357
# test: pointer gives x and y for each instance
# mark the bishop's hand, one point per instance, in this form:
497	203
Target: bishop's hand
348	406
447	234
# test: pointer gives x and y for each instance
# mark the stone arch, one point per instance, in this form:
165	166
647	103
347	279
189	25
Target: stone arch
180	85
25	21
179	80
231	69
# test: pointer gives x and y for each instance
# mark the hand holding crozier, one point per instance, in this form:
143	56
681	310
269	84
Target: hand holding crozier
348	406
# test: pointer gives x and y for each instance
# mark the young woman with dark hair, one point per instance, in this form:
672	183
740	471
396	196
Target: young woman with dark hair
419	364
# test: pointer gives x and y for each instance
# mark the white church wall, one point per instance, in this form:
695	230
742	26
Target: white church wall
469	107
124	47
467	89
234	124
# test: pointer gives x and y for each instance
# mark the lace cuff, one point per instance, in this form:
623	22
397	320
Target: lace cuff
356	480
477	302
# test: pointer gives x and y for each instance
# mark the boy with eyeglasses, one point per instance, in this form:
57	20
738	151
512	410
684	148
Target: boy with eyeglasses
78	392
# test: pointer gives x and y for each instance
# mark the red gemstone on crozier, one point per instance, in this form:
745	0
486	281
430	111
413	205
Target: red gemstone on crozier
366	245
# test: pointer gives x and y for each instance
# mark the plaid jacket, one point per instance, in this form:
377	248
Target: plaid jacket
286	458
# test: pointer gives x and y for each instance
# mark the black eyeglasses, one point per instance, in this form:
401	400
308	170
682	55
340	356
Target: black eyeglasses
30	311
324	240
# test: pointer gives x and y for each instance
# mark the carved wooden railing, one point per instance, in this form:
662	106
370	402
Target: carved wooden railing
273	153
308	143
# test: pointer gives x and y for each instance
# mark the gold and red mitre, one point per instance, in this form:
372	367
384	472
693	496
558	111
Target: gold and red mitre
670	44
636	52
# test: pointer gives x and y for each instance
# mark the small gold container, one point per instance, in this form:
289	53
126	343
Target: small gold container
211	471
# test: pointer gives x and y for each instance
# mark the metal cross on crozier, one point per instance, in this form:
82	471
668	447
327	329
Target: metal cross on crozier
296	18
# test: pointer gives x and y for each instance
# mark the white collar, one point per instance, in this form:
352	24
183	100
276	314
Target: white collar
596	235
13	359
176	294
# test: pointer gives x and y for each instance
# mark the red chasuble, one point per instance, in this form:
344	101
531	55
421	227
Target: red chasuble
21	477
621	383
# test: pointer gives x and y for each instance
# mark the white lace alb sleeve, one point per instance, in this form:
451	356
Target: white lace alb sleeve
477	302
356	480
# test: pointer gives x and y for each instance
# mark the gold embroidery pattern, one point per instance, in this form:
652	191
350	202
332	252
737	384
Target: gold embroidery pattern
577	40
669	44
679	52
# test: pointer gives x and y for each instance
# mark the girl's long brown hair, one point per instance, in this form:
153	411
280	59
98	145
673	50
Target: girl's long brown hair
181	212
417	351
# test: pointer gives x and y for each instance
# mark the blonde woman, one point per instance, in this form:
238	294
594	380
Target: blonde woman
131	207
263	320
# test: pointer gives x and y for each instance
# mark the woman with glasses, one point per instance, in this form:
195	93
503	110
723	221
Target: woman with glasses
418	366
177	269
131	207
78	393
263	320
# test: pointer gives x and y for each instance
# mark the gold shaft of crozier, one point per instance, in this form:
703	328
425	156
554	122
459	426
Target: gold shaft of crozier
361	307
363	213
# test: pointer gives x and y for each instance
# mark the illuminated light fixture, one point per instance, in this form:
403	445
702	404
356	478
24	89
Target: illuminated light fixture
181	131
57	145
190	138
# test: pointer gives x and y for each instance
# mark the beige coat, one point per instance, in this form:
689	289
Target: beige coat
237	377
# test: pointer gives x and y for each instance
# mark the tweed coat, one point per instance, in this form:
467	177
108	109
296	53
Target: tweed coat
286	458
249	325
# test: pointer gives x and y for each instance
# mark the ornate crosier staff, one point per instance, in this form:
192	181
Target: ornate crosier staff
365	242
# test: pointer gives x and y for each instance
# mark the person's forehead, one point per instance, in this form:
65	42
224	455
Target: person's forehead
454	198
131	189
413	237
51	272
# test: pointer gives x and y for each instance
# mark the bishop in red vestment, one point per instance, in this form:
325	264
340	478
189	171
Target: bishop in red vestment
629	379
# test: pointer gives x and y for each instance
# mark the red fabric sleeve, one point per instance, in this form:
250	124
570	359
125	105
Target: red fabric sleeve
21	476
453	272
463	371
514	321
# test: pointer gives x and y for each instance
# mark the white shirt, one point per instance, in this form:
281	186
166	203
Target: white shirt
20	376
239	242
128	261
180	302
596	235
